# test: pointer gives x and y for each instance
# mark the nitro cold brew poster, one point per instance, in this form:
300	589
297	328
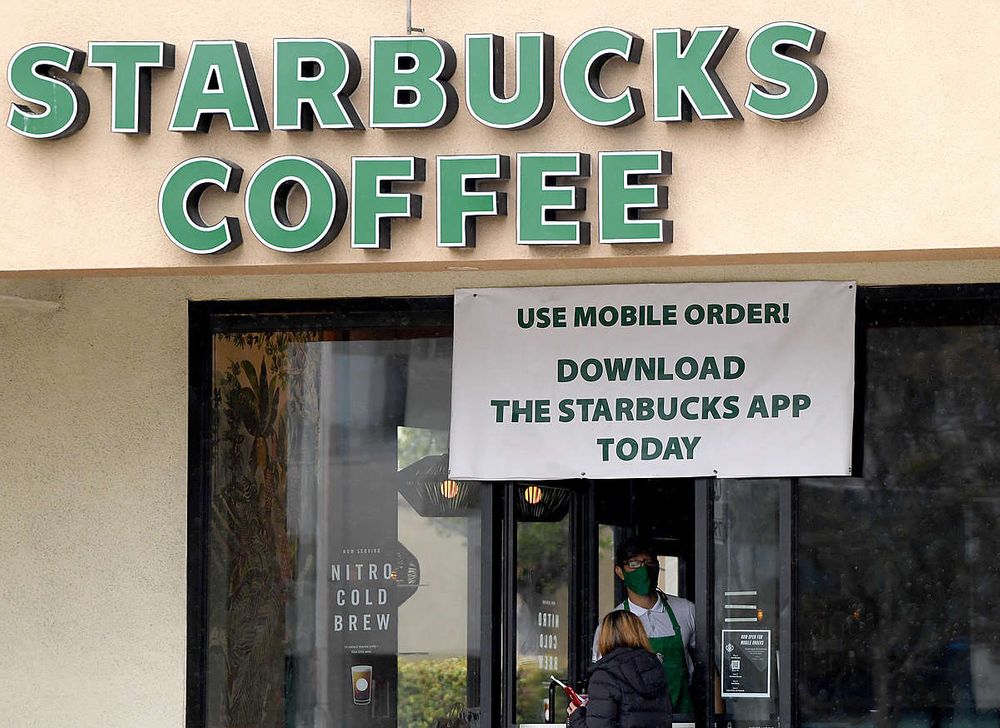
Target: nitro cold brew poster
367	582
365	570
746	663
363	612
363	629
661	380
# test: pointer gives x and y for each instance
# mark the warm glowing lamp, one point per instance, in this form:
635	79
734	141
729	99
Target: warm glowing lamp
449	489
533	495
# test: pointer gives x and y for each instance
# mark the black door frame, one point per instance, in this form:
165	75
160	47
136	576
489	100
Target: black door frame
878	306
583	580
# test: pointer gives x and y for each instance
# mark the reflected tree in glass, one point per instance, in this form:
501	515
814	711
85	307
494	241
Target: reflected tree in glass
898	573
252	556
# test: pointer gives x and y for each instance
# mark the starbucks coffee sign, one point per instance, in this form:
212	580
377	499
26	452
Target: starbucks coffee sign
410	89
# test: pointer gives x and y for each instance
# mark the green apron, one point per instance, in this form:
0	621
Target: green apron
673	655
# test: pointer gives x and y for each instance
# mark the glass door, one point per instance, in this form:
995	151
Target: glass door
750	580
747	644
540	610
724	548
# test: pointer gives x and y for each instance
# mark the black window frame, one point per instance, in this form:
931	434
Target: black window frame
207	318
878	306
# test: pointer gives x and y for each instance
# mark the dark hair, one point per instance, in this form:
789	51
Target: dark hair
632	546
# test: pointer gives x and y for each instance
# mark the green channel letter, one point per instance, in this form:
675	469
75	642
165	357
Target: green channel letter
580	75
684	75
484	80
65	107
542	193
313	80
131	64
459	203
219	79
409	83
374	204
803	85
180	205
267	204
623	197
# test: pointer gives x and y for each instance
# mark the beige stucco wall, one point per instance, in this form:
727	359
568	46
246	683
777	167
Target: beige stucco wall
93	476
901	159
895	175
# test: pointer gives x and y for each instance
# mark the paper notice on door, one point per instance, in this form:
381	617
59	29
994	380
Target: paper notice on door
746	663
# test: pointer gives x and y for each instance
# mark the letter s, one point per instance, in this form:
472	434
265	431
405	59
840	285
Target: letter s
65	105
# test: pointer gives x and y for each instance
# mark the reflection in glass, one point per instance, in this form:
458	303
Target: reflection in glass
605	571
542	592
344	564
898	576
746	599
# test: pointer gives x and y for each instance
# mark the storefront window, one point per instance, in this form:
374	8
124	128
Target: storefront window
542	583
898	578
343	563
341	578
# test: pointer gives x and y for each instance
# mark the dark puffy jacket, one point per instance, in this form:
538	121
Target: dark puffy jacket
627	689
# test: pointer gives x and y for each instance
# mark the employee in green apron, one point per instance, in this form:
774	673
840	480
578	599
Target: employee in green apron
669	620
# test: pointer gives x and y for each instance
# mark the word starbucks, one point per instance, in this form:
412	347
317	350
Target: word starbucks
314	79
409	88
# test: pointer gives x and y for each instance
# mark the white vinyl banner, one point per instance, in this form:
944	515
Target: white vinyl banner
661	380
